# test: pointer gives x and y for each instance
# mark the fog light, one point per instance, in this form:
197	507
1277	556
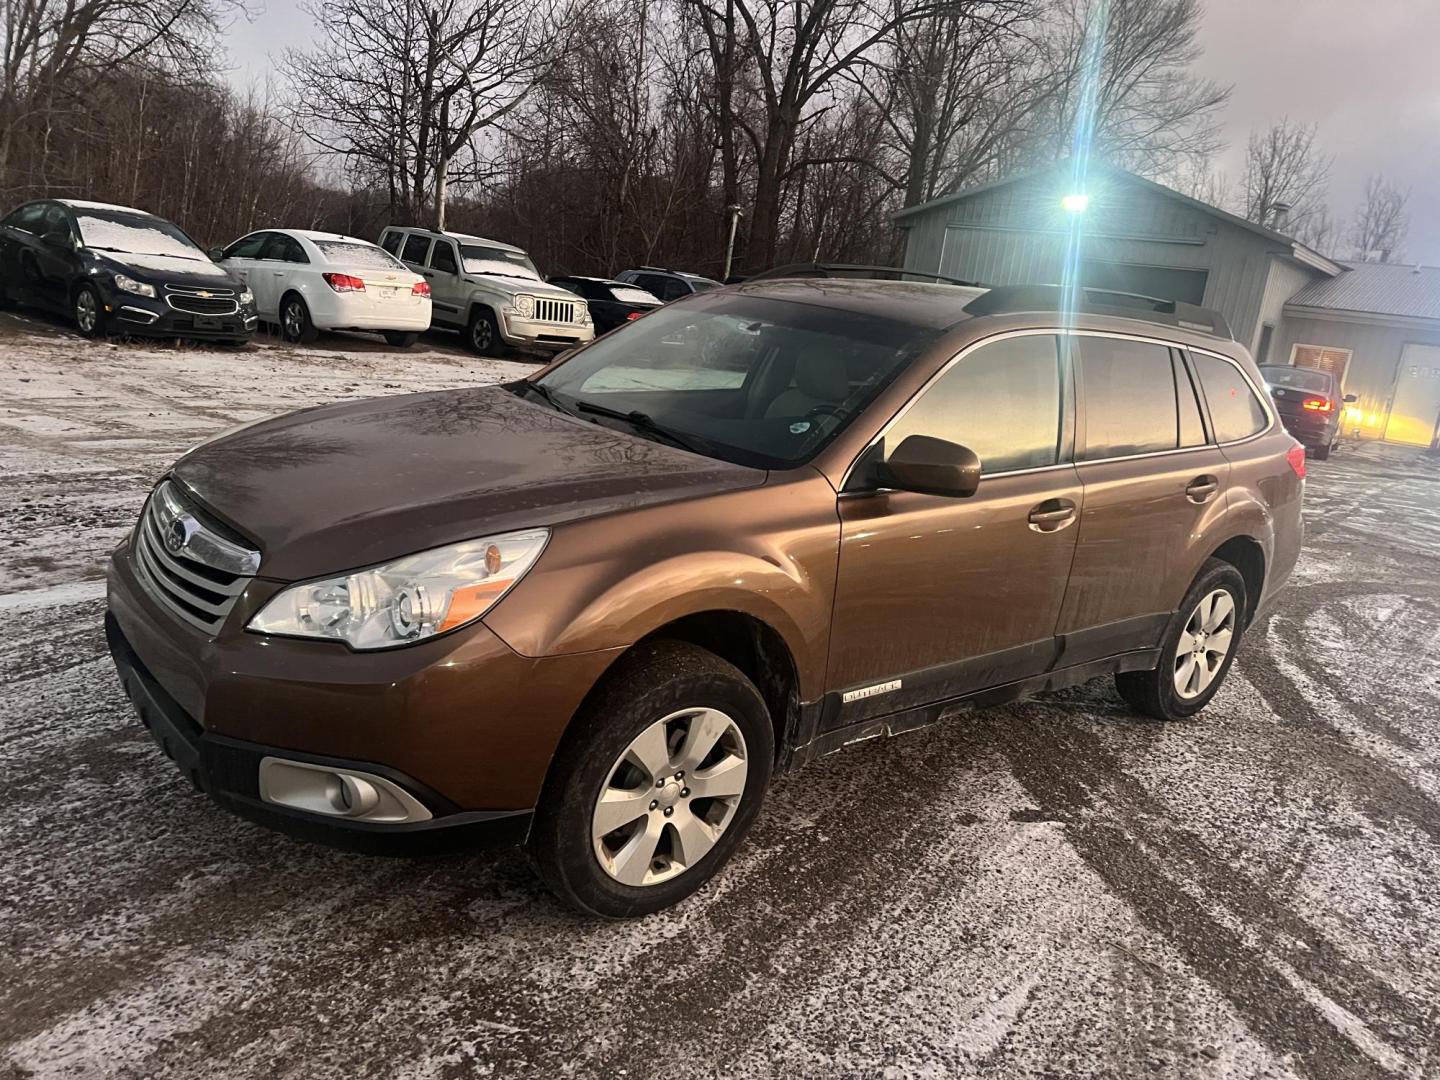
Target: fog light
334	792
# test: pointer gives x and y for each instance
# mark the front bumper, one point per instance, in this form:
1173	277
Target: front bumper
529	334
228	770
142	316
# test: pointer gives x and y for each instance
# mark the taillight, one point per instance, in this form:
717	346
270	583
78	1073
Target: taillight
1296	457
344	283
1319	404
422	288
633	315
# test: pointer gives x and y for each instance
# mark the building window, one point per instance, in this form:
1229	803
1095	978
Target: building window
1322	358
1262	354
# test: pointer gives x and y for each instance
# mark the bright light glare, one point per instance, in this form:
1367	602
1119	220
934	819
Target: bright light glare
1075	204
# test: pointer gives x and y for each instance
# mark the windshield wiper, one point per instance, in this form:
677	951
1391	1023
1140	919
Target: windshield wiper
642	422
548	396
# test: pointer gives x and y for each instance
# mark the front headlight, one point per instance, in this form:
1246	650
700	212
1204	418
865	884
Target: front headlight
130	285
525	306
584	314
407	600
246	297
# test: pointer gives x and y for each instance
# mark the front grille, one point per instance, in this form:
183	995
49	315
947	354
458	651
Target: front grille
554	311
200	574
202	305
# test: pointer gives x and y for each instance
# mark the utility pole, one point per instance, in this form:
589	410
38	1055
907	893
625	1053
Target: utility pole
734	212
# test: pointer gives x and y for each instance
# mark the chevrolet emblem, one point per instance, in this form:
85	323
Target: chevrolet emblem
202	293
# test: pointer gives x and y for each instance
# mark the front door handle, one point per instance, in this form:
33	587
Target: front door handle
1202	489
1052	515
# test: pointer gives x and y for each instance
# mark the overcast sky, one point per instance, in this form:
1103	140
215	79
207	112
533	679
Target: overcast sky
1368	71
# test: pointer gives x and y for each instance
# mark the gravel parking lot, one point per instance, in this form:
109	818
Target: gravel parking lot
1058	888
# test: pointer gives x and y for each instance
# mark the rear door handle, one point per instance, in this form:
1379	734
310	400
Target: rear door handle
1202	489
1052	515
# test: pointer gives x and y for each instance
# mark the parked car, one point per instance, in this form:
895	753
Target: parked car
612	303
114	269
595	610
305	282
667	284
491	292
1310	405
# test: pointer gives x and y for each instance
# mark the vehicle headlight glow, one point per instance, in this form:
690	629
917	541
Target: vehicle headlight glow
246	297
407	600
130	285
525	306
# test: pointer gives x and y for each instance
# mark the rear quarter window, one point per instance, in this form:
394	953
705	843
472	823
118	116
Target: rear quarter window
1235	412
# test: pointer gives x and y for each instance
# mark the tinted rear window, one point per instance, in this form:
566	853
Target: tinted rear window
1297	378
1234	410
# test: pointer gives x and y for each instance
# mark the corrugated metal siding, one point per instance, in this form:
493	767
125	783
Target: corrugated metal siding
1371	375
1286	279
1016	234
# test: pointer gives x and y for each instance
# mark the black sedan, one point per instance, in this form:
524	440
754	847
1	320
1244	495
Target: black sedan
1309	403
612	303
114	270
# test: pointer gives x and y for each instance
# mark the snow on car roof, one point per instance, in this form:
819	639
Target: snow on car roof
311	234
81	204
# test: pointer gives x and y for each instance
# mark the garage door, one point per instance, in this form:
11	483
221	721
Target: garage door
1166	282
1415	414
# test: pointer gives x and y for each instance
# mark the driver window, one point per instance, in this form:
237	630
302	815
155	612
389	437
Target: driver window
1002	401
247	247
56	222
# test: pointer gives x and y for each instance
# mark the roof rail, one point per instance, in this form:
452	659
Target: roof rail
1004	299
661	269
852	270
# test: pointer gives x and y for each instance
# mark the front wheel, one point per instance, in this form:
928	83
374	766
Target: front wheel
88	312
483	334
656	785
296	325
1197	649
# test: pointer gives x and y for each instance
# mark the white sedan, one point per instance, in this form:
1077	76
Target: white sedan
306	282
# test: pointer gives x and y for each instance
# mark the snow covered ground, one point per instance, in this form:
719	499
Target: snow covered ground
1057	888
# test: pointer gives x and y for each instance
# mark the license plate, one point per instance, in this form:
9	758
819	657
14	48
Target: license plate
207	322
387	293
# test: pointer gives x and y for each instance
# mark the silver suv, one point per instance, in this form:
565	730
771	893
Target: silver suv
490	292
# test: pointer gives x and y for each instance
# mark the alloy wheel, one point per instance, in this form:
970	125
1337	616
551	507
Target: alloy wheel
669	796
87	312
293	320
1204	643
481	335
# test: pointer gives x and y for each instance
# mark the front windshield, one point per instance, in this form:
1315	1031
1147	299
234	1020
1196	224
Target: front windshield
1296	378
491	260
754	381
134	234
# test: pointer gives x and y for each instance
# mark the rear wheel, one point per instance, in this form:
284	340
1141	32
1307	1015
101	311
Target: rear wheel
88	312
1197	649
400	339
483	333
296	325
656	785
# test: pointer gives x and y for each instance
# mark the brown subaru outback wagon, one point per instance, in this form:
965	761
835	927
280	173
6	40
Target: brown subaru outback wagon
594	611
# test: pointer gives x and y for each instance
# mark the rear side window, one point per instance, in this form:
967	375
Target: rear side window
283	248
443	258
415	249
247	247
1002	401
391	242
1129	398
1235	411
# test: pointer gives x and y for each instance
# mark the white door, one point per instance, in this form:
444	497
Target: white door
1415	412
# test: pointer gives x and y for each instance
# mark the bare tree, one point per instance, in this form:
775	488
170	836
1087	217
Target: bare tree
1147	110
1381	222
1287	179
424	80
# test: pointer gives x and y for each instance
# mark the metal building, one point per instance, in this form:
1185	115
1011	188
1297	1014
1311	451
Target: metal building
1377	326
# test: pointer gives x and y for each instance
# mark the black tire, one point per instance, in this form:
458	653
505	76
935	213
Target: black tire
296	326
653	681
87	309
482	334
1154	692
401	339
1320	453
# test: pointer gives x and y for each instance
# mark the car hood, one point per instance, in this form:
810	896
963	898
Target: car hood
342	486
518	285
168	269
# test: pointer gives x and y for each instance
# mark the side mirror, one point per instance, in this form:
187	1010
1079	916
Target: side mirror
931	466
215	254
1350	397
